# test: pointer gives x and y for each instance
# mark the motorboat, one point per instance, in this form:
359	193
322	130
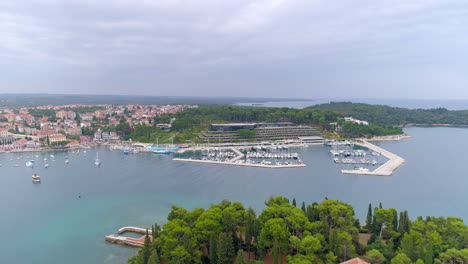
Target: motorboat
97	162
36	178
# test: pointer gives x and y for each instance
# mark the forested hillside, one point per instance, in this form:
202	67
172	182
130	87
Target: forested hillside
387	115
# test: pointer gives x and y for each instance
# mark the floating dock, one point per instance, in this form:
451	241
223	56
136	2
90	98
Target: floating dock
386	169
129	241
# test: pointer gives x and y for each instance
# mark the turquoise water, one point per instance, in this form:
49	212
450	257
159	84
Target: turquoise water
48	223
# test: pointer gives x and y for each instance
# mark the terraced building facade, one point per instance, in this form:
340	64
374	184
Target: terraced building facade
219	133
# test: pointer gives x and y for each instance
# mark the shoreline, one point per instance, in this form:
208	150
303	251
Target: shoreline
387	138
434	125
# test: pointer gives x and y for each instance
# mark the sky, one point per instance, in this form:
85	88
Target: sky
253	48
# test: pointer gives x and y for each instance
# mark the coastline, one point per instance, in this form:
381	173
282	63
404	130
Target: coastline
434	125
387	138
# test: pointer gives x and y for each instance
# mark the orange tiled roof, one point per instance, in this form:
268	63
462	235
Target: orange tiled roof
355	261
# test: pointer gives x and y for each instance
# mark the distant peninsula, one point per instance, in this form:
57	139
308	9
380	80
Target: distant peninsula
396	116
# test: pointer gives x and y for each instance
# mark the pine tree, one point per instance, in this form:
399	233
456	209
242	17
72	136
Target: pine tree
241	257
154	258
429	255
213	244
395	221
312	213
369	218
404	223
303	207
375	226
380	205
225	249
146	251
251	229
294	202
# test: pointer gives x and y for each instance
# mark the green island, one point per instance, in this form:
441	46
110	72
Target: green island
325	232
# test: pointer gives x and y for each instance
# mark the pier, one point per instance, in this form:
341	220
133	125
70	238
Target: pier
243	164
385	169
236	160
129	241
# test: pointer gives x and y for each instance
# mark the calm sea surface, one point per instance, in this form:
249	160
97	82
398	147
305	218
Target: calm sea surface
49	223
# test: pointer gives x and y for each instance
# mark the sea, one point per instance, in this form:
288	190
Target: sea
66	217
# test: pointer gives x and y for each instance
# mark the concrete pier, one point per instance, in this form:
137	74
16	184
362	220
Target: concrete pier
129	241
134	230
386	169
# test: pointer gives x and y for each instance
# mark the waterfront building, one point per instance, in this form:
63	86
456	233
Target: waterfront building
98	135
5	137
76	131
43	132
262	131
57	138
3	132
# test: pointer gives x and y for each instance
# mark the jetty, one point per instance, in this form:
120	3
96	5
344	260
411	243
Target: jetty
238	162
386	169
129	241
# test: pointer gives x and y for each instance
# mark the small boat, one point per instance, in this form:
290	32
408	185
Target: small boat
16	165
45	159
36	178
66	161
52	156
46	165
29	164
97	162
361	169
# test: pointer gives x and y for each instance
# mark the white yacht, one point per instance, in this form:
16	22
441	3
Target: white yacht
97	162
36	178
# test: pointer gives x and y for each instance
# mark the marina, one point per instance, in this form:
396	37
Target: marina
386	169
358	153
262	157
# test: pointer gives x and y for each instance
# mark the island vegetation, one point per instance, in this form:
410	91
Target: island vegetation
188	123
387	115
317	233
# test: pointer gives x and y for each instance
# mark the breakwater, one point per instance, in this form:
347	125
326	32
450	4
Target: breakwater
385	169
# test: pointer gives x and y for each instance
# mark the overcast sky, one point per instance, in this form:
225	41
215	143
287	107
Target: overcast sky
269	48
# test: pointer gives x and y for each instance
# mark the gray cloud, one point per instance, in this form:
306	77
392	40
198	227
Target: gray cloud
270	48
